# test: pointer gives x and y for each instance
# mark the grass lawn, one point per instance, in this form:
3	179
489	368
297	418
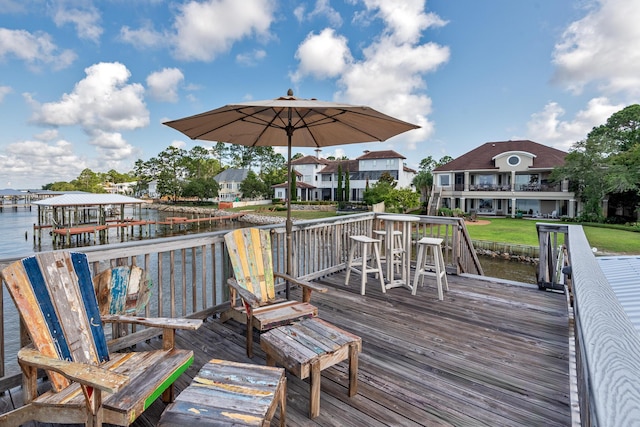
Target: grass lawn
523	231
506	230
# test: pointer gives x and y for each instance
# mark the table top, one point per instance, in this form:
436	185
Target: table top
298	345
245	388
399	217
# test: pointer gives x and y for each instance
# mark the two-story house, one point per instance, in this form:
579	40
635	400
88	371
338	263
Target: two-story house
229	182
504	178
318	177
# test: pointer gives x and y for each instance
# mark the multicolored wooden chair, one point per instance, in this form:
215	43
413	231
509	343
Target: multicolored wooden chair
122	290
54	294
254	281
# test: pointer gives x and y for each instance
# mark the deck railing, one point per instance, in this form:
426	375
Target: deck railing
607	346
190	272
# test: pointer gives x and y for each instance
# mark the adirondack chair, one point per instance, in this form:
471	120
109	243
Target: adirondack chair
254	281
122	290
54	294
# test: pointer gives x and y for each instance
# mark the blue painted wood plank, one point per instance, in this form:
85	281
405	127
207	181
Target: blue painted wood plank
119	289
81	268
39	286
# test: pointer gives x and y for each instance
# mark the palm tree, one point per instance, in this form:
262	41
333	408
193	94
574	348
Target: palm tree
423	181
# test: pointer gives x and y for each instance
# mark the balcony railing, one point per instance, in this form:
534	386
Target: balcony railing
190	272
605	348
504	188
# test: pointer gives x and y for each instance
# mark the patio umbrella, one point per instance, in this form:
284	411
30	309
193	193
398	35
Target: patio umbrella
305	122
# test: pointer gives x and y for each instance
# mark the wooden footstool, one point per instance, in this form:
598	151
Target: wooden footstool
307	347
229	393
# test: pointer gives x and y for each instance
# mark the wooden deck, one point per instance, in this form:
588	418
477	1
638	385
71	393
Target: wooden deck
492	353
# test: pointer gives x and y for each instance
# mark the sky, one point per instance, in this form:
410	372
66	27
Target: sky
88	84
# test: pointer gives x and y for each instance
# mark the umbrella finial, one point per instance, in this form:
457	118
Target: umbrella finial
290	92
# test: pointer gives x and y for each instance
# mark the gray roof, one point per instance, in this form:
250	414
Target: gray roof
11	192
88	199
231	175
623	274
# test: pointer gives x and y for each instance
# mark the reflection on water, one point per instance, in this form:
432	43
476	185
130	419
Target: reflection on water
509	270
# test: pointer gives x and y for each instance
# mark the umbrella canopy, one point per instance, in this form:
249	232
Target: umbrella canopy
305	122
308	123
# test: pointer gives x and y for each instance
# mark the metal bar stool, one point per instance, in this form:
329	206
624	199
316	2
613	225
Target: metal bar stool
430	266
352	264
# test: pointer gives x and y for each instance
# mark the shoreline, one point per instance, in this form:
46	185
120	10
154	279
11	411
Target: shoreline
250	217
268	220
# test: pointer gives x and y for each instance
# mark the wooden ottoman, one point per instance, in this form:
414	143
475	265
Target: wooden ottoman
229	393
307	347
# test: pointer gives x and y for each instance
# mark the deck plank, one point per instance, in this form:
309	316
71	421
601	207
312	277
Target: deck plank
492	353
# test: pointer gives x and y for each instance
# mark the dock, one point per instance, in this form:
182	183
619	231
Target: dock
63	236
493	353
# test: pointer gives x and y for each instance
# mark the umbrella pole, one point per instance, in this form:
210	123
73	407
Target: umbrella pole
288	224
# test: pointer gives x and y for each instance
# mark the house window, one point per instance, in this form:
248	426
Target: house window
513	160
485	205
444	180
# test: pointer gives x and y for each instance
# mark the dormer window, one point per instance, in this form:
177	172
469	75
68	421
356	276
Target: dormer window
513	160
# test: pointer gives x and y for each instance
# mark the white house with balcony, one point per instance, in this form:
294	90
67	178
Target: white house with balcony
504	178
317	178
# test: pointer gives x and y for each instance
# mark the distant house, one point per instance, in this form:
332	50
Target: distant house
120	187
229	182
318	177
152	190
504	178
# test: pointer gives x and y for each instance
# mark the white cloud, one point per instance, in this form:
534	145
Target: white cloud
299	12
251	59
143	38
324	55
404	20
389	75
112	146
548	126
206	29
85	20
101	101
13	6
37	50
596	49
163	85
47	135
323	8
37	161
4	91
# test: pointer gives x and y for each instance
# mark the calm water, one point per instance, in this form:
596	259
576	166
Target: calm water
16	229
510	270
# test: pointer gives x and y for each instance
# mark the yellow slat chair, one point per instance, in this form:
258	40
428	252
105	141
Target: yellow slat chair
55	296
254	281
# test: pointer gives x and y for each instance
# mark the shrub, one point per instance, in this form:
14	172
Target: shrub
445	212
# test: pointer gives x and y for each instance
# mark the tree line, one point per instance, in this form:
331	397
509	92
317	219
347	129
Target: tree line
606	166
603	166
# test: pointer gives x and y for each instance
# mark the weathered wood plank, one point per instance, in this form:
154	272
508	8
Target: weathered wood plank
490	354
